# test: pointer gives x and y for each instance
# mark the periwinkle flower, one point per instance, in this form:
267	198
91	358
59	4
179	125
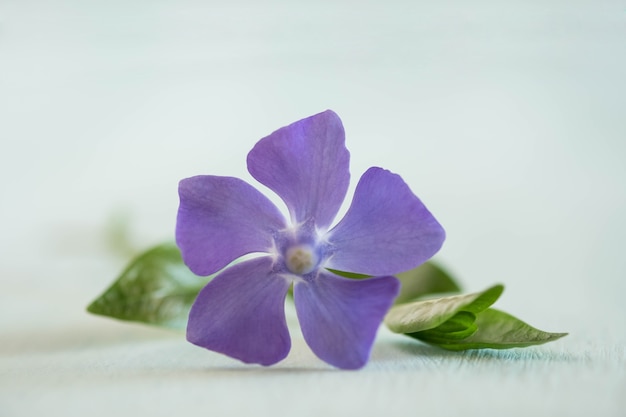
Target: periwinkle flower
240	313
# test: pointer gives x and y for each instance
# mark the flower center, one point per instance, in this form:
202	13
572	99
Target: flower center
301	259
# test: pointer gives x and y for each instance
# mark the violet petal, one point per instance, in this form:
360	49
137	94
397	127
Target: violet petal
220	219
339	317
386	230
241	313
307	165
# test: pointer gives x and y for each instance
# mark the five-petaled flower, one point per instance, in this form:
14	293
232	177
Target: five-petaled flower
240	313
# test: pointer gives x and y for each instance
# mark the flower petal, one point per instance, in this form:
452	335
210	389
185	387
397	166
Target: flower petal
241	313
220	219
307	165
339	317
386	230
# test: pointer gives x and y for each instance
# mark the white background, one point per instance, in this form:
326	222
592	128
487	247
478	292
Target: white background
506	118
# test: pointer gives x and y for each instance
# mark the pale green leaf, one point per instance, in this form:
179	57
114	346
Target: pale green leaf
459	326
496	330
156	288
427	314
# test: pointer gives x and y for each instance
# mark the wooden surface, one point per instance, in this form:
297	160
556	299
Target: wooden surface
506	118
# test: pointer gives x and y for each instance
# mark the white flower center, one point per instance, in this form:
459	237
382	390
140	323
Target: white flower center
301	259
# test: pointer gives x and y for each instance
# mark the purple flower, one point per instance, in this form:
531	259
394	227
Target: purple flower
240	312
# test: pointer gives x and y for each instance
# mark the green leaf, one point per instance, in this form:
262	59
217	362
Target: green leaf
351	275
495	330
428	314
156	288
463	322
459	326
428	278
